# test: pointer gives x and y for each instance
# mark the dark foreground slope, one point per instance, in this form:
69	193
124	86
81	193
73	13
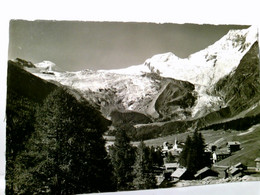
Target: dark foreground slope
25	84
25	95
26	92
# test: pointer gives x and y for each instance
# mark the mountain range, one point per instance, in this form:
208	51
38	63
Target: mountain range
217	87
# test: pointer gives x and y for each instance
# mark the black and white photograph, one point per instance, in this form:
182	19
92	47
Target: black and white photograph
123	106
129	97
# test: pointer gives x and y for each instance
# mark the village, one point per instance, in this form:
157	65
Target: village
172	174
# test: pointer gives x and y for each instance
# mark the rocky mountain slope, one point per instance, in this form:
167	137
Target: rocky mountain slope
166	93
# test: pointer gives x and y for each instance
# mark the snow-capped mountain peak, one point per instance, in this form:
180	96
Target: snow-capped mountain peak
207	66
45	65
166	57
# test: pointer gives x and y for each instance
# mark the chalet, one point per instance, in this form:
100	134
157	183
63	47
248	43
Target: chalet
221	170
220	155
205	172
233	146
169	168
257	164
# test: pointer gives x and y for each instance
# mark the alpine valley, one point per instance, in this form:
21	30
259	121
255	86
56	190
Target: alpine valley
218	87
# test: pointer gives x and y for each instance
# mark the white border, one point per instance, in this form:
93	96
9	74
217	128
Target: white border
199	11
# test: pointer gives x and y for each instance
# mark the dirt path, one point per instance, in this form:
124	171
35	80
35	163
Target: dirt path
250	130
218	141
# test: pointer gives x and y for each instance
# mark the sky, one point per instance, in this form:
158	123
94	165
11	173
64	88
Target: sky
78	45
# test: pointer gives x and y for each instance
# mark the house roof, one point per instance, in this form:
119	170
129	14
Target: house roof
238	164
234	143
179	172
221	152
233	170
201	171
171	165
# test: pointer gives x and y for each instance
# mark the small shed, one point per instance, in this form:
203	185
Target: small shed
159	179
179	174
257	164
167	174
235	171
171	166
205	172
213	148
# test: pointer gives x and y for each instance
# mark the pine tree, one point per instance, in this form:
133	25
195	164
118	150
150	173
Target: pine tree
205	158
184	157
143	169
157	156
195	153
122	159
193	156
66	153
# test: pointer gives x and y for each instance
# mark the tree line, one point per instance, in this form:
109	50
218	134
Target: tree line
133	166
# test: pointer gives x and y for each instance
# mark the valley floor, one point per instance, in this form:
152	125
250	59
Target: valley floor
249	151
249	139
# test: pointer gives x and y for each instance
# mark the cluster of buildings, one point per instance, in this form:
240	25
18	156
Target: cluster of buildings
172	172
219	154
174	149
